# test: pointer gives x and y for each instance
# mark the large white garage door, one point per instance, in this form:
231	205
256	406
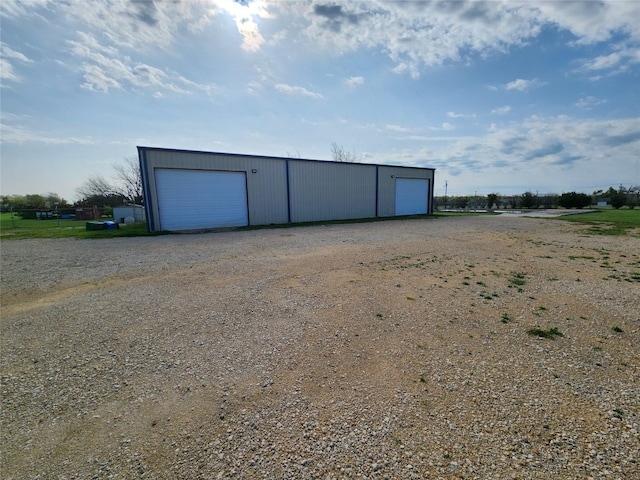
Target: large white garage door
412	196
194	199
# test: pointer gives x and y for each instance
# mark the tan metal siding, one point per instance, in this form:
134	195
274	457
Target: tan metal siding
266	179
282	190
331	190
387	186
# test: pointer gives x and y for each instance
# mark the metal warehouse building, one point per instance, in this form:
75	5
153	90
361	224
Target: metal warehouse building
190	190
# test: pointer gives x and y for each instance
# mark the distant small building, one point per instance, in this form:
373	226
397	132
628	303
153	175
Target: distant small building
87	213
120	214
44	214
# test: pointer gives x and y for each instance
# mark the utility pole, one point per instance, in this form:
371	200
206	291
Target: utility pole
446	184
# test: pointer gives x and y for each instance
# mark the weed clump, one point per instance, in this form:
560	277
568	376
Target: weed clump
518	279
549	333
617	413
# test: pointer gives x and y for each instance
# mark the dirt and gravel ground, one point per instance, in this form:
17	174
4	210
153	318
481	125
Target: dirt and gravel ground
380	350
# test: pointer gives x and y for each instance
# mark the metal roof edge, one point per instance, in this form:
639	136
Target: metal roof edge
270	157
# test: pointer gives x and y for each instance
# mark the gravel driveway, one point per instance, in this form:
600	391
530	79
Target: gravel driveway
394	350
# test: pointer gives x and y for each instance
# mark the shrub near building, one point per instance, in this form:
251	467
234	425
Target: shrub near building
574	200
623	196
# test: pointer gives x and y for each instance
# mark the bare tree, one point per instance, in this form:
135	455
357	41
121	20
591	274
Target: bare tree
53	200
96	186
339	154
126	187
129	180
295	154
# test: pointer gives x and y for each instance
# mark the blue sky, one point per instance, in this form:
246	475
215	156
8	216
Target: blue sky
498	96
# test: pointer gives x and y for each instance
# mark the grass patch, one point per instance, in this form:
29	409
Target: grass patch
607	221
549	333
518	279
617	329
617	413
17	228
505	318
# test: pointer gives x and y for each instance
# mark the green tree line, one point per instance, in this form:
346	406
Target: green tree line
125	187
616	198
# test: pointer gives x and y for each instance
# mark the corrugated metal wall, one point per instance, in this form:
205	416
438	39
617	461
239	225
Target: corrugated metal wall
331	191
266	179
283	190
387	186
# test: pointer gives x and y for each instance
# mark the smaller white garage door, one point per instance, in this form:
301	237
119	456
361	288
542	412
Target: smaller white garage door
195	199
412	196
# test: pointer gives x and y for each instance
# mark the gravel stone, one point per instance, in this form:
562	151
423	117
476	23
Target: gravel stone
383	350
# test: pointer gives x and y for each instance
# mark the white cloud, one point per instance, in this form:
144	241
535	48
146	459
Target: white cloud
18	135
522	85
588	102
501	110
396	128
416	138
254	87
6	71
354	81
134	25
419	35
593	21
6	67
414	35
137	26
105	69
603	62
416	132
460	115
191	86
97	79
7	52
518	84
15	8
294	90
563	140
614	63
538	150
